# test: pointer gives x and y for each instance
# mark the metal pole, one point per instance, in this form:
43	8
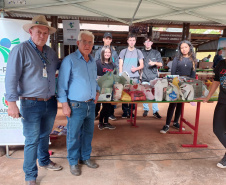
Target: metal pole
7	150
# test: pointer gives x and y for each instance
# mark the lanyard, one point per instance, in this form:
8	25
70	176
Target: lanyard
42	57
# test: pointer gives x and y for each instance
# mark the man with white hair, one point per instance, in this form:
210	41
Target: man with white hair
30	76
78	92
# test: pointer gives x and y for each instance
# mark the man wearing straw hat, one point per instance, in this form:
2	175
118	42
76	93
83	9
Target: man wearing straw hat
30	77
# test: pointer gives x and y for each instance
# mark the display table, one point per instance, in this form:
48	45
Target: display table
194	127
204	70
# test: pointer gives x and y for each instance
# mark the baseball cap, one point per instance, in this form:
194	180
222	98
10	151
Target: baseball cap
107	34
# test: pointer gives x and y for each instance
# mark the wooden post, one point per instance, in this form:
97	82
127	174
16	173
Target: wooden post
150	31
2	151
54	37
224	33
186	27
66	50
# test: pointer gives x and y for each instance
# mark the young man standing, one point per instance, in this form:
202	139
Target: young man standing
152	60
107	39
129	59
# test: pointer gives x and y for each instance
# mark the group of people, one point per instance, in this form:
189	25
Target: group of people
30	77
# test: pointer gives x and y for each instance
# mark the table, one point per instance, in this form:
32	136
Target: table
194	127
204	70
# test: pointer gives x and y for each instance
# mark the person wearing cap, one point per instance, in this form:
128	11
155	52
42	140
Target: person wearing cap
107	39
152	60
78	92
30	77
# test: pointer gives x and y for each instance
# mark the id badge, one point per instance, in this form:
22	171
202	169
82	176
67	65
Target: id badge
44	73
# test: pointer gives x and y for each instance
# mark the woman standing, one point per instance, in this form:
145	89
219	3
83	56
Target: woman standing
104	65
183	65
219	118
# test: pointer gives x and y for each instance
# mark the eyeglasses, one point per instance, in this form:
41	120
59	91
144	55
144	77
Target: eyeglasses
90	43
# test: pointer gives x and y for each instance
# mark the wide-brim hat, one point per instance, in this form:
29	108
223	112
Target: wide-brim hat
39	20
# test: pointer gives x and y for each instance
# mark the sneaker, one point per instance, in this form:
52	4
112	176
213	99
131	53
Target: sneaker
109	126
124	115
222	163
112	117
145	113
101	126
164	129
177	126
156	115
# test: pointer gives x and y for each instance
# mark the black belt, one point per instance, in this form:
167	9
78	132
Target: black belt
36	99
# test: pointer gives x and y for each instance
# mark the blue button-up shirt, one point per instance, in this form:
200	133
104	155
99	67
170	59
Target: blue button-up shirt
77	78
24	73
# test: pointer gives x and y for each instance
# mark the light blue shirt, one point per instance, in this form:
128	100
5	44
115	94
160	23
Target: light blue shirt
24	73
77	78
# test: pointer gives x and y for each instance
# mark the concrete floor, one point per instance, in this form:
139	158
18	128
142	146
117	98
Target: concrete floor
133	156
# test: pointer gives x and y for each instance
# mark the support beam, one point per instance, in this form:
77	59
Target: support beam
131	22
150	31
54	37
186	27
224	33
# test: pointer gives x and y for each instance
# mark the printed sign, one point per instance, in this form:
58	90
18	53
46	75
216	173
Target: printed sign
11	34
71	30
166	37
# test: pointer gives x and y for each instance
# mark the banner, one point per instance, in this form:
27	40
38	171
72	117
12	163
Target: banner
71	30
11	34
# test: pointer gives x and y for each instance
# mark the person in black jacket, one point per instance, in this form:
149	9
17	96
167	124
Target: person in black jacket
184	64
104	65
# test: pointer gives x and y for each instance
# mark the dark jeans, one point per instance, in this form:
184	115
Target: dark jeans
126	108
112	110
219	123
97	109
38	122
80	128
170	112
105	112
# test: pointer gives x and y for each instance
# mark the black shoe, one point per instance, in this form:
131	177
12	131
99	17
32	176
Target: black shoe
222	163
156	115
164	129
145	113
177	126
109	126
112	117
89	163
130	115
124	115
75	170
101	126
